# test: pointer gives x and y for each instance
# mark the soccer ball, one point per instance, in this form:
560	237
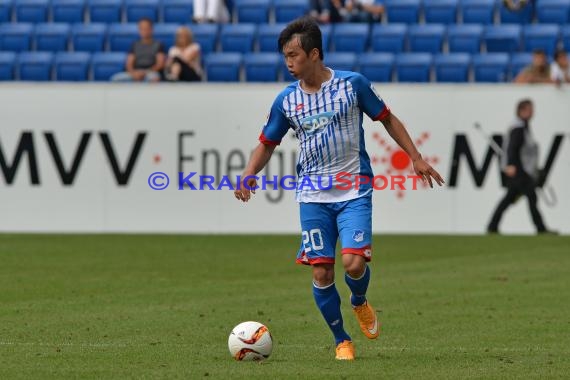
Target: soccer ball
250	341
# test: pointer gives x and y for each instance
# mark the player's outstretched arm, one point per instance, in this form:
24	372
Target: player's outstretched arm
399	133
257	161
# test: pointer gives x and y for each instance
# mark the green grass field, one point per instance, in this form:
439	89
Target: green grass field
116	306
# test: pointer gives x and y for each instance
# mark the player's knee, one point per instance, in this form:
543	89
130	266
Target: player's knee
354	265
323	274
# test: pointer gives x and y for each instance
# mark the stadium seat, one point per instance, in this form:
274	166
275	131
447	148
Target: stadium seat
404	11
452	67
72	67
267	37
166	33
262	67
566	37
6	10
206	35
427	38
89	37
413	67
138	9
254	11
378	67
7	65
478	11
464	38
223	67
341	61
122	36
553	11
326	32
492	67
179	11
389	38
52	36
441	11
502	38
519	61
524	16
107	11
289	10
351	37
35	66
16	37
541	36
32	10
238	38
105	65
70	11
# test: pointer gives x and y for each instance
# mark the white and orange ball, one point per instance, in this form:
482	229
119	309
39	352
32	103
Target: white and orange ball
250	341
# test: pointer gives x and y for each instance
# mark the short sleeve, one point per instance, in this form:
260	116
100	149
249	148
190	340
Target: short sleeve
368	99
276	126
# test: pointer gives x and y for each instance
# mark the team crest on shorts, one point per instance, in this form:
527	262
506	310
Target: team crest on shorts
358	236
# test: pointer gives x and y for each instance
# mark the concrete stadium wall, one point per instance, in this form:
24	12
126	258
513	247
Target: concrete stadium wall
77	158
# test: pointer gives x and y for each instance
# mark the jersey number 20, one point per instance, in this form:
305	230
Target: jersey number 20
315	238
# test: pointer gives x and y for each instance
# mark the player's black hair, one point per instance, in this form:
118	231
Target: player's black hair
523	104
309	34
559	53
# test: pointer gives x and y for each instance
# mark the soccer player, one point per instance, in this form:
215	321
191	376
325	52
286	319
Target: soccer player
325	110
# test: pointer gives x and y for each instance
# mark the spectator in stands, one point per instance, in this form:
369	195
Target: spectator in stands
537	72
560	69
214	11
145	61
183	63
360	10
324	11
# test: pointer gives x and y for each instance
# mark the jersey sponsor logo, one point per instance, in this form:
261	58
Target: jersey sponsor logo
358	236
299	107
316	123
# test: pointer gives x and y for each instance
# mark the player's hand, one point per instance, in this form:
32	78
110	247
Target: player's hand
426	172
511	171
246	189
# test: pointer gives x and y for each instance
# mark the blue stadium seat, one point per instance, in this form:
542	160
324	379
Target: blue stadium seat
441	11
70	11
32	10
478	11
107	11
7	65
238	38
105	65
72	67
502	38
326	32
553	11
464	38
492	67
452	67
52	36
267	37
206	35
223	67
404	11
351	37
35	66
519	61
378	67
180	11
16	37
89	37
413	67
288	10
541	36
254	11
122	36
138	9
389	38
262	67
341	61
427	38
524	16
166	33
566	37
5	11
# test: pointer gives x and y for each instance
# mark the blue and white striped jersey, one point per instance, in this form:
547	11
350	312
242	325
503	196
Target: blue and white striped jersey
328	125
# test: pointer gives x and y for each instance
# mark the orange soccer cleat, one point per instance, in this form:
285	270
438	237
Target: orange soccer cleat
367	319
345	350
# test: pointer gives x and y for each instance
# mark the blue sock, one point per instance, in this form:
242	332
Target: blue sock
358	287
328	302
